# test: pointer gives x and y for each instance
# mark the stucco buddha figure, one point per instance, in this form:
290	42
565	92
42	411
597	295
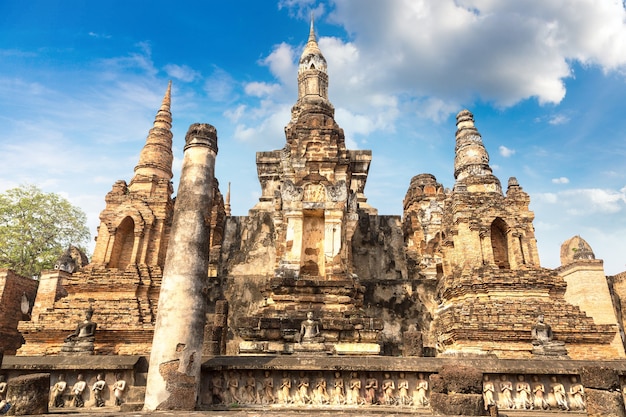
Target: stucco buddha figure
83	338
543	340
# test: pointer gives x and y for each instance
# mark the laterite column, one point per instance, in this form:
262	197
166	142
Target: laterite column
174	373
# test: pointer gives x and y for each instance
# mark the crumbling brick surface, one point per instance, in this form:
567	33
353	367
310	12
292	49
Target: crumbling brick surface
600	378
457	404
13	288
181	387
28	394
604	403
461	379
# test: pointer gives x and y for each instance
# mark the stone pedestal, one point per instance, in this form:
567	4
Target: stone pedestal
552	349
310	348
78	347
356	349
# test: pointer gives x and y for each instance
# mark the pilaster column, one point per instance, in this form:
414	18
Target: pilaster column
293	236
332	234
486	249
110	245
136	243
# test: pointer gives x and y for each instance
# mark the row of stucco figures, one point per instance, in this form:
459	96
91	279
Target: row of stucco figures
526	396
59	391
336	390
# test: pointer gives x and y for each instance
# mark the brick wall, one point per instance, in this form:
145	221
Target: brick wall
12	288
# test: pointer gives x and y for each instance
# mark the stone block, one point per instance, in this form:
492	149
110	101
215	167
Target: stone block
357	348
220	320
457	404
131	407
437	384
599	377
412	343
252	347
604	403
210	348
28	394
310	347
135	395
461	379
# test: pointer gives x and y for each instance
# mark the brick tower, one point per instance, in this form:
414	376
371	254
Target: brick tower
490	262
122	282
312	190
135	223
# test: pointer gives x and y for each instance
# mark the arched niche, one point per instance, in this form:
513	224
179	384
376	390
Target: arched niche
123	244
499	243
313	237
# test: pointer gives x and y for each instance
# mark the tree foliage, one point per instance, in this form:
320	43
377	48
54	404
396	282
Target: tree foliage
35	229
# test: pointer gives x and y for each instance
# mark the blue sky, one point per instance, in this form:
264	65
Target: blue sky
80	84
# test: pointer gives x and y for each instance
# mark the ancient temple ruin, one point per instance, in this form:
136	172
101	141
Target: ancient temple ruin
314	299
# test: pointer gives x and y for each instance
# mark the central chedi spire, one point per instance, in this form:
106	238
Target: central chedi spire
312	79
312	193
471	162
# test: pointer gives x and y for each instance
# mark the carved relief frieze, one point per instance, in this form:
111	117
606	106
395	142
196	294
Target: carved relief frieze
315	193
318	388
536	392
337	192
291	192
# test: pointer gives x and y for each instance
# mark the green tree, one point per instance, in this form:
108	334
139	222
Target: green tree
35	229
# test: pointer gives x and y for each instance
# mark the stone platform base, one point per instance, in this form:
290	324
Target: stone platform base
132	369
337	348
356	349
364	385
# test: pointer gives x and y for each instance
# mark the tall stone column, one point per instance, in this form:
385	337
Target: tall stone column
174	373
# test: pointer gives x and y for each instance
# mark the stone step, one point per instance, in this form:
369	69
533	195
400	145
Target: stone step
130	406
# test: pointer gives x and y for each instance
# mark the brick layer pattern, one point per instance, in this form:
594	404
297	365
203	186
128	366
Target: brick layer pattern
485	305
12	288
125	304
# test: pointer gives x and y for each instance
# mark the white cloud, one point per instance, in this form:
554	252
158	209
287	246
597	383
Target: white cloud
550	198
389	68
593	213
597	200
436	109
235	114
220	86
531	46
281	63
302	8
17	53
141	60
268	133
181	72
558	119
99	35
258	89
560	180
506	152
586	201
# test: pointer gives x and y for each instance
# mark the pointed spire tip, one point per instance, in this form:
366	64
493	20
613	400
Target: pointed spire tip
312	30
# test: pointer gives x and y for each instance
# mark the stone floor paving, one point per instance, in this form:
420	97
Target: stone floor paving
240	413
368	412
